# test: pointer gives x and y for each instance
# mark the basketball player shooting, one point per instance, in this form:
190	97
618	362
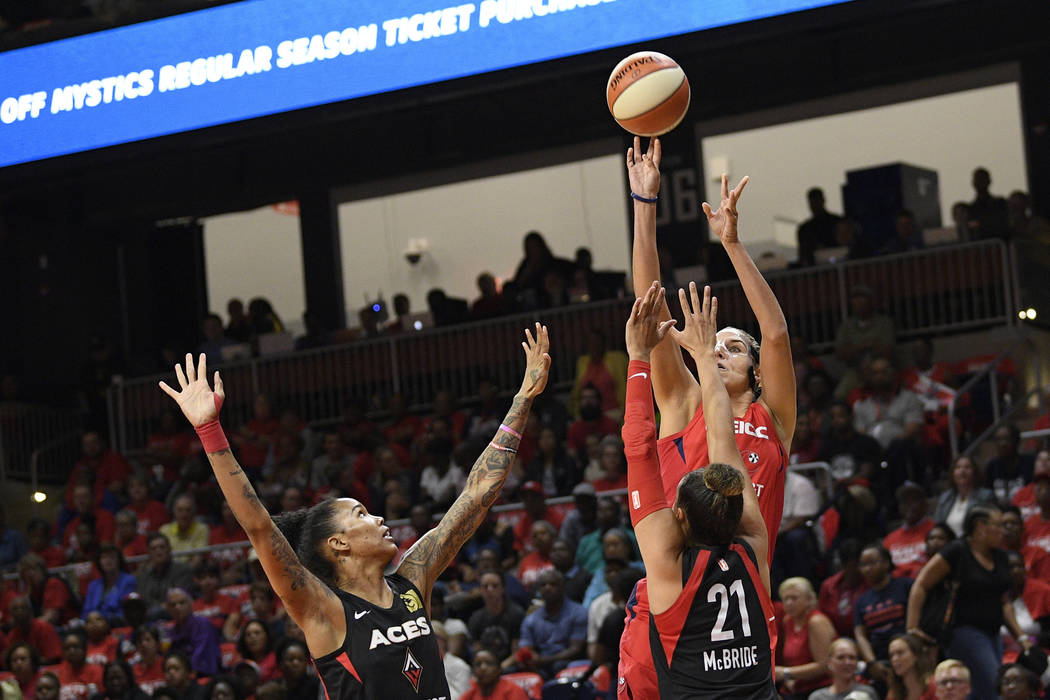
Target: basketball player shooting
711	619
760	382
369	634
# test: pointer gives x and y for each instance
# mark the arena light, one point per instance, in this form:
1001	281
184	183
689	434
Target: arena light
39	497
1021	314
1030	313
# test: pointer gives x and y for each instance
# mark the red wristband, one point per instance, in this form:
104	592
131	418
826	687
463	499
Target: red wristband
212	437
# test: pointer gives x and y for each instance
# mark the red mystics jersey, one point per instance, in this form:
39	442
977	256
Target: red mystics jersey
763	455
719	638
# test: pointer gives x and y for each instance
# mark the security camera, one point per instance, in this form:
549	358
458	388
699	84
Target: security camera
413	257
415	250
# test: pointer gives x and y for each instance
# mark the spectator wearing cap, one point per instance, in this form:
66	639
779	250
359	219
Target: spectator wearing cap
554	634
192	634
583	518
1010	469
591	421
862	335
952	679
159	574
532	498
1037	525
907	544
1025	496
576	577
106	592
1036	559
40	634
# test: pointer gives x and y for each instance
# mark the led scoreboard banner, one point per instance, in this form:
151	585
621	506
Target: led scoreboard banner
260	57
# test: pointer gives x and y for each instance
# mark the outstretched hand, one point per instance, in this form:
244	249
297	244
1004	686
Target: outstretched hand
644	329
199	403
643	168
723	220
701	321
537	361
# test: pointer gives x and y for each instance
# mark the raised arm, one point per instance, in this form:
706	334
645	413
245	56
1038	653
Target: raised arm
777	371
698	337
659	534
309	601
677	394
432	554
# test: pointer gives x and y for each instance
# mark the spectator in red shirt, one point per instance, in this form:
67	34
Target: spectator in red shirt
907	544
539	559
84	505
79	680
535	509
38	532
151	513
255	437
37	633
445	407
170	446
23	665
256	644
1037	526
50	596
127	536
1025	496
228	531
487	684
98	465
1031	600
1036	559
592	421
101	645
147	664
614	466
839	592
217	607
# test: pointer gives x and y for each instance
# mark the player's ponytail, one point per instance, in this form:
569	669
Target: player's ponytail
306	530
712	499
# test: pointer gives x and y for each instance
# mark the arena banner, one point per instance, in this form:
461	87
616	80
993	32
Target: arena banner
260	57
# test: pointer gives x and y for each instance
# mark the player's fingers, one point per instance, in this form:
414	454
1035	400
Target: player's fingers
202	366
181	376
658	152
218	385
707	209
741	185
705	307
630	157
694	297
725	186
545	340
664	327
652	148
683	301
528	335
714	312
169	391
191	373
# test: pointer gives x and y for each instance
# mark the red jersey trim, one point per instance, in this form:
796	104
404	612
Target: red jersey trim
320	678
763	596
676	615
764	418
348	665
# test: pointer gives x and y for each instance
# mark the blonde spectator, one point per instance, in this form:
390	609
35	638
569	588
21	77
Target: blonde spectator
952	679
807	634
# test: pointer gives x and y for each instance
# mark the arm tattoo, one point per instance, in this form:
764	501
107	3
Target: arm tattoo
432	555
284	555
249	494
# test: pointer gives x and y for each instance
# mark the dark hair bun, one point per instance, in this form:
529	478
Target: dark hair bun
724	479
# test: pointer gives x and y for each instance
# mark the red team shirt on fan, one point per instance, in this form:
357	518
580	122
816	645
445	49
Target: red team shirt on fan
216	610
103	652
1037	532
907	547
680	453
149	678
77	684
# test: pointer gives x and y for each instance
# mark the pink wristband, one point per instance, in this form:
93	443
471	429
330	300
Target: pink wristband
510	430
212	437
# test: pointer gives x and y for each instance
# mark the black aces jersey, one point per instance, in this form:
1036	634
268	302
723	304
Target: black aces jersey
718	638
389	653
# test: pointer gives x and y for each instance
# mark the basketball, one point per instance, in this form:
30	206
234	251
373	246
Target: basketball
648	93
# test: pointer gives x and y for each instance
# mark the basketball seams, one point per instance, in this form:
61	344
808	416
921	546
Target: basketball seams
654	122
648	93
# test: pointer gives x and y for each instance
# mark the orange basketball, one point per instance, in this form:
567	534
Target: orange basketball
648	93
